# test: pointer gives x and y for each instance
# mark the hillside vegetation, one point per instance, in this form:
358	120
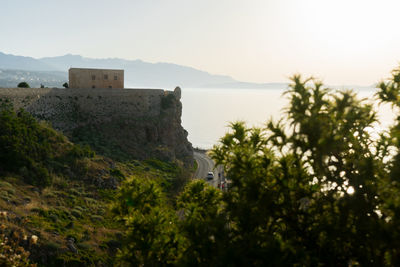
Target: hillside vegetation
61	193
317	188
33	150
320	187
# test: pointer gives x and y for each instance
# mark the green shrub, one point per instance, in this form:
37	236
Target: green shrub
5	195
76	213
97	218
117	173
34	150
25	146
84	246
79	152
52	246
320	187
53	218
23	85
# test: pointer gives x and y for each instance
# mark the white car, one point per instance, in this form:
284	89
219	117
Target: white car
210	176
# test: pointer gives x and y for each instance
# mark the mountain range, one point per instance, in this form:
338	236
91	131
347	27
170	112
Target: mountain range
53	72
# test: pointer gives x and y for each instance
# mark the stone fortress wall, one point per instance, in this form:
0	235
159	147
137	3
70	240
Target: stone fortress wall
143	122
101	103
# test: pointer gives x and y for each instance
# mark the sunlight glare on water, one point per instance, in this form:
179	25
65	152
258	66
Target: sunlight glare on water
208	112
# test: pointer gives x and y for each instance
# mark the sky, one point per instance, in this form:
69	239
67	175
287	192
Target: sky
340	42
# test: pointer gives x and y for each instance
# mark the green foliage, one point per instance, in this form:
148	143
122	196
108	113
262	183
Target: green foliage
171	176
23	85
151	238
79	152
174	176
72	213
25	146
203	224
65	85
161	165
305	190
156	235
32	149
313	189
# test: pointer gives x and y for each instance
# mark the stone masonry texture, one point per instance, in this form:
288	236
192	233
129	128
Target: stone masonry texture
143	123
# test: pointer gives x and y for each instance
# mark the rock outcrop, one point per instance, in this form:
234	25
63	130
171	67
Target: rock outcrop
138	123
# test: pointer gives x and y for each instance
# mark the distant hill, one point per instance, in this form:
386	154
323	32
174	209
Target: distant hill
22	63
52	71
142	74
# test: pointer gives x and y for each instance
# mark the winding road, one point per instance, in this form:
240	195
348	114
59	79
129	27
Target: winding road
204	165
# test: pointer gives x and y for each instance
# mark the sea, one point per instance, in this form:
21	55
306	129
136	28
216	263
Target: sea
208	112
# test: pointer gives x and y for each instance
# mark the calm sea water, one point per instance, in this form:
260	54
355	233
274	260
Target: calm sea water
208	112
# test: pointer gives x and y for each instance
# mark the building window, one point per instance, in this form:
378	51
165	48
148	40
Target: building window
110	86
93	77
93	86
105	77
115	77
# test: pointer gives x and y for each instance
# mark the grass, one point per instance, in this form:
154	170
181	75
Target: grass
54	214
78	209
73	201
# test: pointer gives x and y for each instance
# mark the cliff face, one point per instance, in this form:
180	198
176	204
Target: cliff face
123	122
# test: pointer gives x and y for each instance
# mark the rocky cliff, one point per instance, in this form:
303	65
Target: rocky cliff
124	123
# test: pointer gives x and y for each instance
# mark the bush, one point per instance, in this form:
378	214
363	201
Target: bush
23	85
313	189
25	146
33	150
151	229
76	213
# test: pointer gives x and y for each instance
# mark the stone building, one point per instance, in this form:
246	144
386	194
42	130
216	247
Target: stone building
95	78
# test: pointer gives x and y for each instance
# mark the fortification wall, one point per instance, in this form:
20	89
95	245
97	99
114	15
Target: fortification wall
104	104
141	122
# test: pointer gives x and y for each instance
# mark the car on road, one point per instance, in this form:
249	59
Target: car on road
210	176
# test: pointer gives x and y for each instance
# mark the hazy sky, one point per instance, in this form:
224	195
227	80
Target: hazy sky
340	41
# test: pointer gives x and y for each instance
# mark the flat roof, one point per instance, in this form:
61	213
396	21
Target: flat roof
95	69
